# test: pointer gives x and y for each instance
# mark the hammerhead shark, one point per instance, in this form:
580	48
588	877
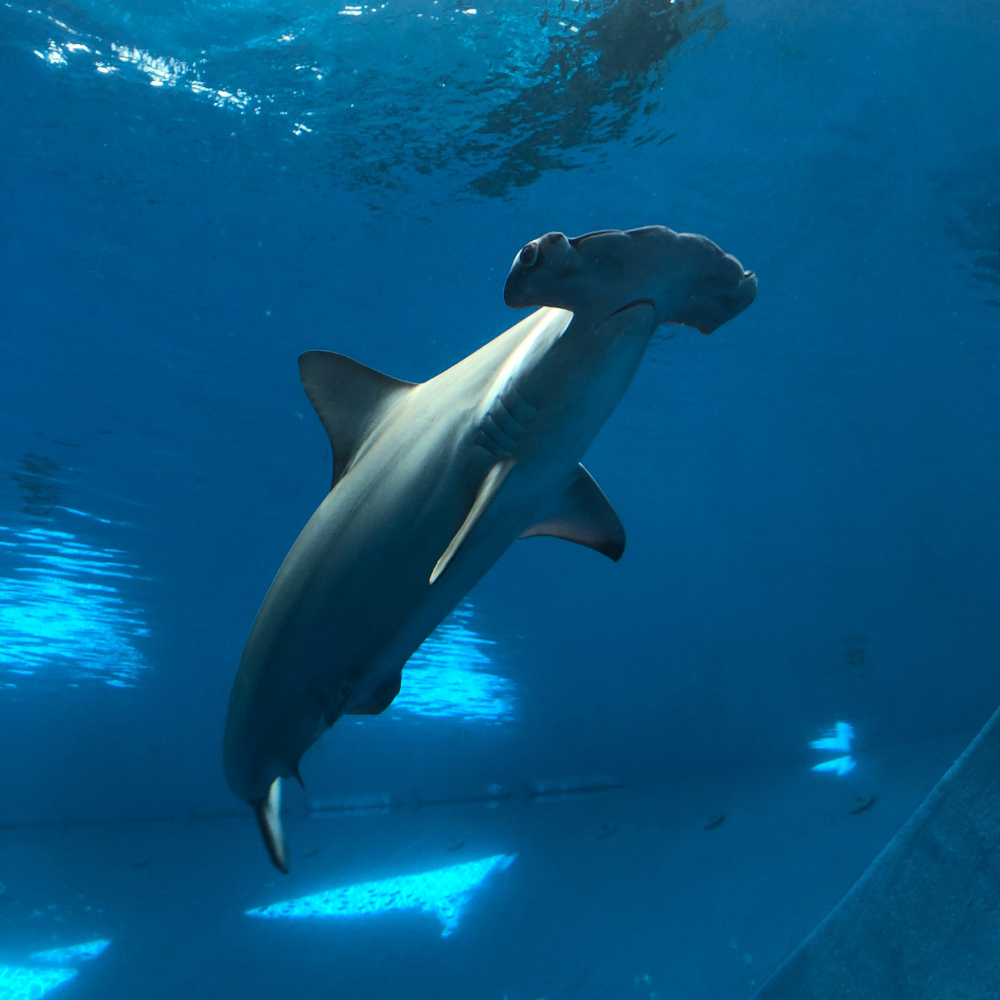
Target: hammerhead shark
432	483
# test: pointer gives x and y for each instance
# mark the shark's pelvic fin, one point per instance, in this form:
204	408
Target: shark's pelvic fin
268	811
584	516
349	398
382	698
487	491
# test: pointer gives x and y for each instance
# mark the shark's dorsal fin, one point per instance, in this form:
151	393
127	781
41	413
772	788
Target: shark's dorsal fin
349	398
487	491
584	516
382	698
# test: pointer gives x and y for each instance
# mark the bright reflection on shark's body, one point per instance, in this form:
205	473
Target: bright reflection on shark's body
444	892
60	608
449	677
18	983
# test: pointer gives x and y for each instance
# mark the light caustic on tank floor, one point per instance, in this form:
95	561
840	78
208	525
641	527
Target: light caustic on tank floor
32	982
443	892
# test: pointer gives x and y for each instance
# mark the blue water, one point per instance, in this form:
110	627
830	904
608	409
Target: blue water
598	780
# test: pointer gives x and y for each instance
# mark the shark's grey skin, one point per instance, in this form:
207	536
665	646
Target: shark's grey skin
433	482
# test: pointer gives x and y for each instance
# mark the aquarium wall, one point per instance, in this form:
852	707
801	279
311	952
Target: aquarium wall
599	779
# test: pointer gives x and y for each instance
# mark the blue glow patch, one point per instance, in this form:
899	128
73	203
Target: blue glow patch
838	766
445	892
449	677
839	738
60	608
836	740
72	953
31	984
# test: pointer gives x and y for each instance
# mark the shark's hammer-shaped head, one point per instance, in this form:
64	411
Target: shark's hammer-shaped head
686	278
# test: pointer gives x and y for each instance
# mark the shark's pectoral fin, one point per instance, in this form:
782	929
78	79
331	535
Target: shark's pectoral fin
487	491
382	698
584	516
268	812
349	398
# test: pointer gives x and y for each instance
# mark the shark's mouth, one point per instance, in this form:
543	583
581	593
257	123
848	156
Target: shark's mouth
635	302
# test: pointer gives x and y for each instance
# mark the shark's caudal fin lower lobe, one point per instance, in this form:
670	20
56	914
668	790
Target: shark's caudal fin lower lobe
268	812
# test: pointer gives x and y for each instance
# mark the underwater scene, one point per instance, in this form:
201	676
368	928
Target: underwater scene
310	313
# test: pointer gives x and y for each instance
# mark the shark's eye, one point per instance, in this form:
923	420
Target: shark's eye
528	255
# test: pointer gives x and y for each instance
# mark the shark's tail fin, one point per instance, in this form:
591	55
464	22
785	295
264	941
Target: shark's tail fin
268	812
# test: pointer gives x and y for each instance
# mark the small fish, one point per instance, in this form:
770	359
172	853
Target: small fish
606	831
142	864
717	819
862	802
455	845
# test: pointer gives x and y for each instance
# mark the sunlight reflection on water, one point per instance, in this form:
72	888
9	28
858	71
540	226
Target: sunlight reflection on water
498	96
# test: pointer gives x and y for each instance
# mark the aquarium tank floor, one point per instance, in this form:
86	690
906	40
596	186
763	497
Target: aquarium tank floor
613	891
